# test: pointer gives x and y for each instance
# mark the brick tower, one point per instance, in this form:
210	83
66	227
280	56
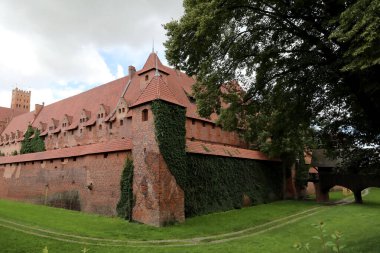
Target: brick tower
20	100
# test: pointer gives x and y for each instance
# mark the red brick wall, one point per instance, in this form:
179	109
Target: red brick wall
159	199
31	181
208	132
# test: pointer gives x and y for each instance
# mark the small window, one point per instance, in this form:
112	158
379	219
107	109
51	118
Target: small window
146	77
193	121
123	109
98	116
72	132
74	159
145	115
213	126
51	161
62	160
100	127
119	110
90	129
105	155
121	122
110	125
101	115
203	124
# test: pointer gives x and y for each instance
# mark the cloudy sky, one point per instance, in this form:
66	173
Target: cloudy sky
58	48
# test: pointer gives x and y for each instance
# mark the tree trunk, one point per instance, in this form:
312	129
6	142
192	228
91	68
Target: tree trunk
358	197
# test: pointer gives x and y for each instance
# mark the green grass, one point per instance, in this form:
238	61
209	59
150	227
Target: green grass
360	225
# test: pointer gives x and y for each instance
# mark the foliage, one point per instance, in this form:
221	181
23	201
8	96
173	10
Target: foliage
210	183
308	69
14	152
125	205
219	183
34	144
358	30
38	145
26	145
169	121
323	237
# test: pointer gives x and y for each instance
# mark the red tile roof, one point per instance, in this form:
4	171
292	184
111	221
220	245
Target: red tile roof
5	113
156	89
228	151
110	146
172	88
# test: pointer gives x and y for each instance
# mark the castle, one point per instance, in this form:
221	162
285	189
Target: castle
89	136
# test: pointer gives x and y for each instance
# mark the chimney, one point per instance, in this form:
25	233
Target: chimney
38	108
131	71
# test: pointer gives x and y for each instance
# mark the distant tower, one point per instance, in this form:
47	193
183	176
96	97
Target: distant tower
20	100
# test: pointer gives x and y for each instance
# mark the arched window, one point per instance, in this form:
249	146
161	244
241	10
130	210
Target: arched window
145	115
100	127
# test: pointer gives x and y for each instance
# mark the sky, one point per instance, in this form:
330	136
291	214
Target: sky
59	48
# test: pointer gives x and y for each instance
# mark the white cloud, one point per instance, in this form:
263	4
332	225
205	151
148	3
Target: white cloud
120	71
54	48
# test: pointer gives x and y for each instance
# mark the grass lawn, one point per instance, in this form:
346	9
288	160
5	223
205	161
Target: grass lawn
360	225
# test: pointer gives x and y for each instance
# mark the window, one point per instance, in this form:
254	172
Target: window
121	122
119	110
146	77
203	124
100	127
74	159
123	109
90	129
193	121
213	126
101	115
145	115
105	155
110	125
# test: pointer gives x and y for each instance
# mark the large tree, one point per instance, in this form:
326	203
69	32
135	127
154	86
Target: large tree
309	70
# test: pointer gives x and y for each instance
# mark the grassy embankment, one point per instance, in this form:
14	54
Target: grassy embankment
22	229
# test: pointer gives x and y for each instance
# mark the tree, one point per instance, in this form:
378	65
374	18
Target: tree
298	64
26	143
32	144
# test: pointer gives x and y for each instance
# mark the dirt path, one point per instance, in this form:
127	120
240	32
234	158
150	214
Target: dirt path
213	239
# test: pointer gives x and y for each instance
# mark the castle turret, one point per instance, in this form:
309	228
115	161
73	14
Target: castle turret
20	100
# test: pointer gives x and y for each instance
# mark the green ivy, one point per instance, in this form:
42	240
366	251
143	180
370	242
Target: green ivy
126	202
211	183
169	121
219	183
32	145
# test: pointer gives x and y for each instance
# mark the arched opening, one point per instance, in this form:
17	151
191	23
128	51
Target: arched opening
145	115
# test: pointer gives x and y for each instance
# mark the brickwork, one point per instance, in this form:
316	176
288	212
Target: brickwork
208	132
159	200
39	181
20	100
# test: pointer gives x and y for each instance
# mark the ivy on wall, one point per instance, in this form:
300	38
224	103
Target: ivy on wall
169	121
211	183
125	205
219	183
34	144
